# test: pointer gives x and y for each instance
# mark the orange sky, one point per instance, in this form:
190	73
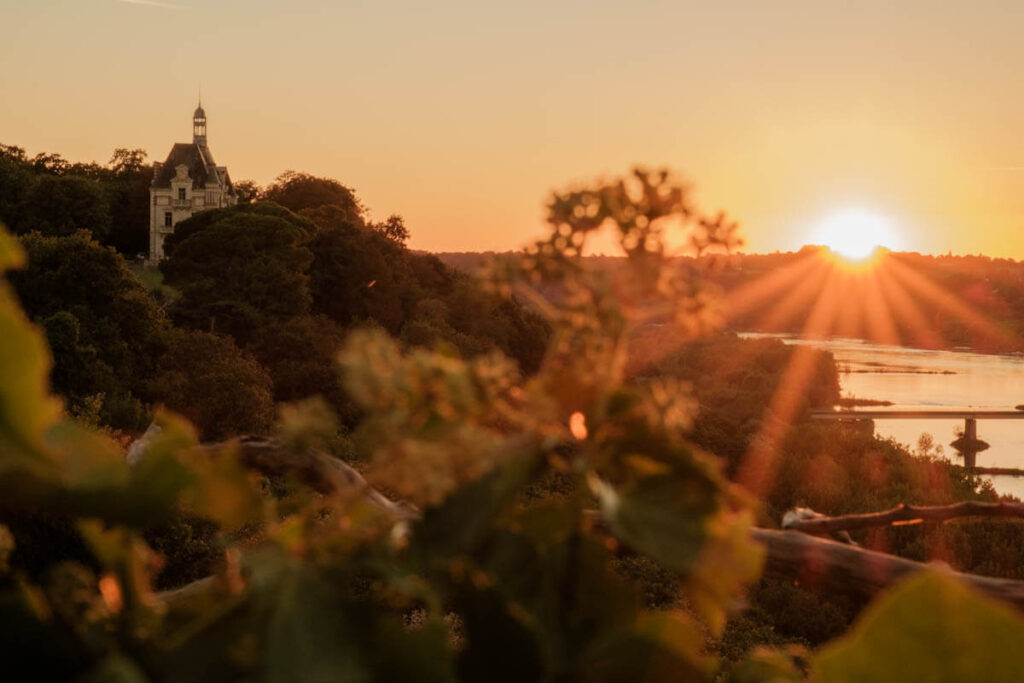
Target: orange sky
461	115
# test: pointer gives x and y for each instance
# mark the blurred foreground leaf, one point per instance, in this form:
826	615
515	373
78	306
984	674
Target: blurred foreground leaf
930	628
116	670
766	665
664	516
657	647
26	408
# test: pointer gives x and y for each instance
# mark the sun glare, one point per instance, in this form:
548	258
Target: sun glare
854	234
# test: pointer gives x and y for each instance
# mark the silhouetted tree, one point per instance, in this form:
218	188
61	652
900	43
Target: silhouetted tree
16	179
49	194
64	204
220	388
128	189
394	229
301	359
357	275
298	191
54	164
362	275
239	269
247	191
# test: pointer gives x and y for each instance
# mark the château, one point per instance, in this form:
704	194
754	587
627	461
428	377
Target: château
187	182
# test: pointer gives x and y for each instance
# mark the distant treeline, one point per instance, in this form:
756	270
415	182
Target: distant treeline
931	301
47	193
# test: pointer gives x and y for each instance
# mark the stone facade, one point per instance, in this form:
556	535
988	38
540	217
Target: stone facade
187	182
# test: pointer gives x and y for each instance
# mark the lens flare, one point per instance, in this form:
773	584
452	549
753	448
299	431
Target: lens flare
855	235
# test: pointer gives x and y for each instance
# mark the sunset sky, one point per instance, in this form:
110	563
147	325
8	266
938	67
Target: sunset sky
462	115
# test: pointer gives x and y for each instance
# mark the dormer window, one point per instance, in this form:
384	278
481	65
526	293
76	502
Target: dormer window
181	194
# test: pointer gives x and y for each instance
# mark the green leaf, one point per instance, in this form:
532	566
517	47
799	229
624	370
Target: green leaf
468	516
86	460
663	516
26	407
658	646
98	482
6	548
30	641
930	628
222	490
767	665
728	561
495	634
561	598
116	670
159	477
686	522
547	522
310	637
426	656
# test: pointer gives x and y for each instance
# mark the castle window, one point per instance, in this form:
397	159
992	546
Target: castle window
181	193
168	219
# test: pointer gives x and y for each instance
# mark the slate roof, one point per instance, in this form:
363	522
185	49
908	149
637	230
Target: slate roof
200	164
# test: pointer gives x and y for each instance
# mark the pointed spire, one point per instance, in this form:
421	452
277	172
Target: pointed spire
199	124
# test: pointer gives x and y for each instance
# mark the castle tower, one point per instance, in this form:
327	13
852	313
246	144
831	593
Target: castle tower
199	125
187	182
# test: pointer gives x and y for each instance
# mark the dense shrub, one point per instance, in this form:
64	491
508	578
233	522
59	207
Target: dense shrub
221	389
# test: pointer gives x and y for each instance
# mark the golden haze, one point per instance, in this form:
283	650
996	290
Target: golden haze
461	115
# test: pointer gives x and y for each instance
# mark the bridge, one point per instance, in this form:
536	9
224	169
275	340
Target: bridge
969	445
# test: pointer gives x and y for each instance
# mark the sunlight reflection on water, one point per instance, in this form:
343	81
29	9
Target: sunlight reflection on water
920	378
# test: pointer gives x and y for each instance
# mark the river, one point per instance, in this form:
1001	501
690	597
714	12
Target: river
919	378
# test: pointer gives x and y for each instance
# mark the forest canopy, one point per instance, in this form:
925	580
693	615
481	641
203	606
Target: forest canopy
280	289
48	194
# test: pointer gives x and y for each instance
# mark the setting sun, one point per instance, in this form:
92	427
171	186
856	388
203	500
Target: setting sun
855	234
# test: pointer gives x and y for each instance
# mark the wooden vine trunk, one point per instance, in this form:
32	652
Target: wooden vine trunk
842	568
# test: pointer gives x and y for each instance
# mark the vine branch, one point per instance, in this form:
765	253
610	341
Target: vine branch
903	514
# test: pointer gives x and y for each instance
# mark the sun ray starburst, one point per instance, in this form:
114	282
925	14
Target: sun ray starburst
882	300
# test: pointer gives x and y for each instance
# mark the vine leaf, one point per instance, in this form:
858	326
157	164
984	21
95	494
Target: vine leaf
663	516
26	408
309	638
116	669
728	561
769	664
930	628
657	647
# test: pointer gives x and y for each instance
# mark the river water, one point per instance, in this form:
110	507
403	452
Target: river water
919	378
